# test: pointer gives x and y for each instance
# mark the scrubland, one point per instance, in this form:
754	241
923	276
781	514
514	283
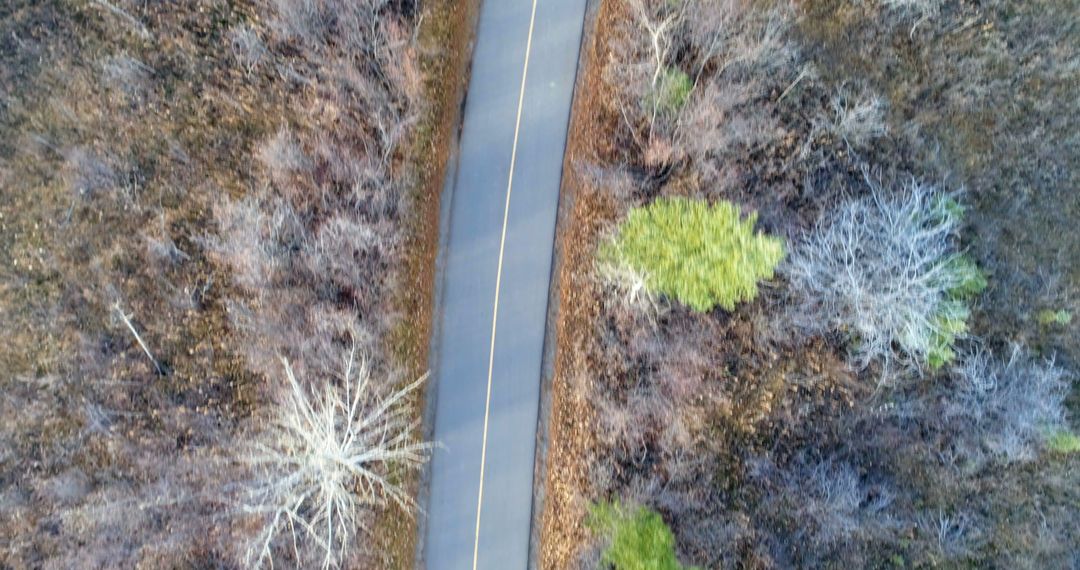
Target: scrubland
902	391
205	216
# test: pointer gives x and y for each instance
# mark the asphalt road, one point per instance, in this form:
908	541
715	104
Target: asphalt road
496	277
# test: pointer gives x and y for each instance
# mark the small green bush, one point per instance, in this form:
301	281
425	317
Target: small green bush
640	540
1061	317
962	280
671	91
945	209
949	323
1063	441
699	254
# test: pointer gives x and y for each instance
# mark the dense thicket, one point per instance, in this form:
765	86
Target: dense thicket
783	434
190	192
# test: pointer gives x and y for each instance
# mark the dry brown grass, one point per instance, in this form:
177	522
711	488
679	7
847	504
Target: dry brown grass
115	147
570	432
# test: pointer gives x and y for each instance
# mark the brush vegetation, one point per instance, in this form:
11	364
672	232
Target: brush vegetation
902	393
190	192
886	271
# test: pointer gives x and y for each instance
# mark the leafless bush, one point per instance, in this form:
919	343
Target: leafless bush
728	33
303	298
923	9
834	499
659	21
858	117
324	461
722	120
875	268
1005	408
829	512
88	173
351	254
732	50
307	20
837	500
319	25
283	158
334	35
743	54
318	247
248	47
692	78
256	239
127	74
643	57
854	115
309	286
950	534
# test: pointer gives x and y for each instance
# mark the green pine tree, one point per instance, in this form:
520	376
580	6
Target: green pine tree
702	255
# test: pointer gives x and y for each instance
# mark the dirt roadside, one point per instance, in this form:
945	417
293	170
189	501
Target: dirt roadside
445	39
583	212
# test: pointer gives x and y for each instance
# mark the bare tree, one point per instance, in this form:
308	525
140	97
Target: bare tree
323	461
659	25
877	268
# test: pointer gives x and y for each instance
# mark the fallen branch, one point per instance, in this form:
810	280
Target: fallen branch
131	327
135	23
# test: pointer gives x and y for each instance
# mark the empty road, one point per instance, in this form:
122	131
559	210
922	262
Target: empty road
494	293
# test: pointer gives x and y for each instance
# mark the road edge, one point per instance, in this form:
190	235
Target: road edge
547	366
453	109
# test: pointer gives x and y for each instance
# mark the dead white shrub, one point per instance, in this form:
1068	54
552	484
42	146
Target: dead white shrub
626	287
951	534
876	270
247	47
1006	407
658	22
858	117
323	462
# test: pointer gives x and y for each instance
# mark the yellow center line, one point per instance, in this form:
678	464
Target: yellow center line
498	281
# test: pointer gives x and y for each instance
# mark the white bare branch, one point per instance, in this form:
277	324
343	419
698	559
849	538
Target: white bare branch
875	269
131	327
326	458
